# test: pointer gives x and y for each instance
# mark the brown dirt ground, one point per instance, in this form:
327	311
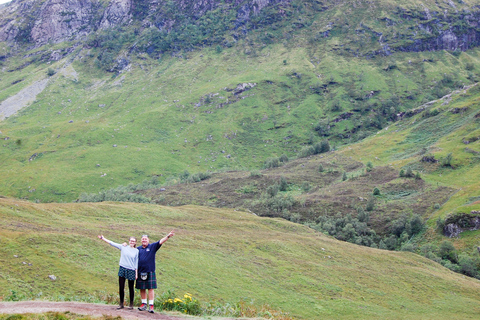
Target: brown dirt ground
88	309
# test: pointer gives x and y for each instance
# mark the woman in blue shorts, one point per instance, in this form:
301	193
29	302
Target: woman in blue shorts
128	268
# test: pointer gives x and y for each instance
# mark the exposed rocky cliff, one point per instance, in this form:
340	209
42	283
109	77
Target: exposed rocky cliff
449	26
43	21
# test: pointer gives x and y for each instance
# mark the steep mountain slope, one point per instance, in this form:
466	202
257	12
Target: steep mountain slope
205	111
113	92
222	256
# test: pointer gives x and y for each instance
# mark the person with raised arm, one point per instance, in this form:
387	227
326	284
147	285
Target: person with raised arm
128	268
146	269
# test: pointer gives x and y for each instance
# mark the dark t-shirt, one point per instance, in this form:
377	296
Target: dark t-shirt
146	257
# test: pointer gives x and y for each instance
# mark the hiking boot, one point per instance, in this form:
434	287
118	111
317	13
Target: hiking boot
130	306
151	309
120	306
143	307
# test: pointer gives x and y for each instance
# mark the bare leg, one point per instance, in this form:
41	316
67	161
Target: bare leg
151	295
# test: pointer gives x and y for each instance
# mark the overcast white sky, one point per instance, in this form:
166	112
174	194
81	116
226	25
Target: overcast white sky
3	1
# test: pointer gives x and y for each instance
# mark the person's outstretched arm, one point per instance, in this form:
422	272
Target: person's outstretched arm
113	244
168	236
101	237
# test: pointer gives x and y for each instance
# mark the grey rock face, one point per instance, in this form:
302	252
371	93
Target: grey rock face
118	12
61	19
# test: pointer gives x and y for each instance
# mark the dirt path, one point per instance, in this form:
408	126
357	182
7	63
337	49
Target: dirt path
90	309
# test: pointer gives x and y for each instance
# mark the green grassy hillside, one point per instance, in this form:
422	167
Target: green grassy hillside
89	130
318	189
223	256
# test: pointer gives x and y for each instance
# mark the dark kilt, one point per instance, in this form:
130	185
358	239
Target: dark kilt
150	283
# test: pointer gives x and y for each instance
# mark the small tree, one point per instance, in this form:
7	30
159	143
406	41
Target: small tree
402	173
447	161
320	168
440	224
344	177
273	190
376	191
283	184
362	215
50	72
370	204
447	251
283	158
409	173
369	166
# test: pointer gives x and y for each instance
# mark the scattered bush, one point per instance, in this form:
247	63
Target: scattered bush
362	215
448	252
409	173
468	265
255	173
440	224
346	228
320	168
272	190
271	163
283	184
186	177
447	161
369	166
370	204
283	158
376	191
187	305
306	186
319	147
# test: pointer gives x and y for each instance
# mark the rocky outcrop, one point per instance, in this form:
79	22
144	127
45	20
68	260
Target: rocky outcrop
433	31
60	20
42	21
118	12
460	222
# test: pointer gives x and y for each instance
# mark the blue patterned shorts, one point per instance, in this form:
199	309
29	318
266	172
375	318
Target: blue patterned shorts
126	273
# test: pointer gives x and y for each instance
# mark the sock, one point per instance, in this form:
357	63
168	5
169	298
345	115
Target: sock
144	301
151	302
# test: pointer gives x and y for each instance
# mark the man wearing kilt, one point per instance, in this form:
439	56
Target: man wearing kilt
146	270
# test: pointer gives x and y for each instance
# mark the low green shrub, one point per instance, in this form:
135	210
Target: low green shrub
187	305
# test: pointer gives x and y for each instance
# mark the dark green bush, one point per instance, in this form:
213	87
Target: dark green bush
447	251
271	163
370	204
283	184
272	190
447	161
